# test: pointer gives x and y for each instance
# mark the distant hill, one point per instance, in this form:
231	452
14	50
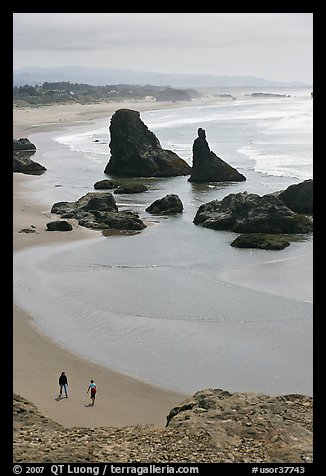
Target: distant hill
66	92
103	76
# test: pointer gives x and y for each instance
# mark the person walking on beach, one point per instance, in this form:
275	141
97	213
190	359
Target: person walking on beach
63	383
92	388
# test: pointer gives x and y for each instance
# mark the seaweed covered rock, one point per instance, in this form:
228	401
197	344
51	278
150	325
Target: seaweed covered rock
261	241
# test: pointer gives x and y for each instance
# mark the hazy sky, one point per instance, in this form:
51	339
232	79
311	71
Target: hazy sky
275	46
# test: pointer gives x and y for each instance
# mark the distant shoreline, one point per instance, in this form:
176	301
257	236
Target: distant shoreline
30	120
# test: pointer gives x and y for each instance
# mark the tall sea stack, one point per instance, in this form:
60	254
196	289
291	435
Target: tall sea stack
137	152
207	167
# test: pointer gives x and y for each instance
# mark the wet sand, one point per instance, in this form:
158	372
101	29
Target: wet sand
291	277
37	360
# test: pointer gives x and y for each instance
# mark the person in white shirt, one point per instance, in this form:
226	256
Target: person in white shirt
92	388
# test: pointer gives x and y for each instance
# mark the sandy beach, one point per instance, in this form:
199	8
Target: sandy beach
37	360
29	120
279	284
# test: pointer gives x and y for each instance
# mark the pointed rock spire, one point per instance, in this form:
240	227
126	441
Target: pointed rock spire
207	167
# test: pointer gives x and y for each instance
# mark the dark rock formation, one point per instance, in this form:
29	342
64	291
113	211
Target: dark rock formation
207	167
106	184
282	425
125	220
91	201
98	210
299	197
136	151
27	230
23	144
260	241
59	225
168	205
23	149
131	188
251	213
24	164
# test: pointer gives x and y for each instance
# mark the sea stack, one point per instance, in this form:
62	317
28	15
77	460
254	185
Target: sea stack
137	152
207	167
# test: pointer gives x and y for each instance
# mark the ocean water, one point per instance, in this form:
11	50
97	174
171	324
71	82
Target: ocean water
175	304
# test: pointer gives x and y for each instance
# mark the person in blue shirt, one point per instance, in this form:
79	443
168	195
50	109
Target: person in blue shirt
92	388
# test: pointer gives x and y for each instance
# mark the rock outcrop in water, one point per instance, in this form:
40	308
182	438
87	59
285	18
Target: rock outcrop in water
207	167
23	163
131	188
168	205
261	241
23	149
59	225
106	184
99	211
263	95
213	426
23	144
137	152
298	197
251	213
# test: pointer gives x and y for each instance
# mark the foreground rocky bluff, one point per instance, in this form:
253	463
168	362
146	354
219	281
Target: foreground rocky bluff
212	426
137	152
